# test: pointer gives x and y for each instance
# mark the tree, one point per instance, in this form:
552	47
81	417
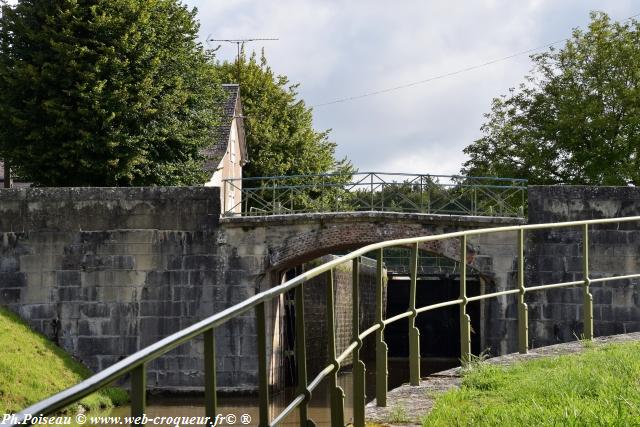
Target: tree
281	141
279	130
575	119
105	92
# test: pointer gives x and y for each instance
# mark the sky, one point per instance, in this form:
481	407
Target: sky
337	49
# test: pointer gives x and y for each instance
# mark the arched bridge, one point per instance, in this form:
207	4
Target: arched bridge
275	243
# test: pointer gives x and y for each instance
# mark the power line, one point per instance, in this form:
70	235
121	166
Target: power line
449	74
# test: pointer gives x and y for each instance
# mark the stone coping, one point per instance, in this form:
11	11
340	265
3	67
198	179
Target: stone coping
372	216
418	401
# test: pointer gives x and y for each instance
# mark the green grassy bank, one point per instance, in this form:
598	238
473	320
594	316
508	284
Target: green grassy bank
32	368
600	386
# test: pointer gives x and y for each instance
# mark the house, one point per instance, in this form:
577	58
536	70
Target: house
228	153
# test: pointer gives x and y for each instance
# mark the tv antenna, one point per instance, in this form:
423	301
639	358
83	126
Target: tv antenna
240	43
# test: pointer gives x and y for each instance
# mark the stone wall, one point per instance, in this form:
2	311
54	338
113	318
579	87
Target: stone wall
105	272
556	255
315	312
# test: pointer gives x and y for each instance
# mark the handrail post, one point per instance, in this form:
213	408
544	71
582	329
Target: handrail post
381	346
336	392
263	375
523	314
465	320
414	333
138	394
301	356
359	398
421	193
210	395
587	311
372	199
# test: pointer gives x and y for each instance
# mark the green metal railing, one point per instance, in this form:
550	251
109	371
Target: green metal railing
375	191
136	363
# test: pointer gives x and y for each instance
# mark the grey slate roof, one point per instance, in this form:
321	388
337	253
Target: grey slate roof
231	107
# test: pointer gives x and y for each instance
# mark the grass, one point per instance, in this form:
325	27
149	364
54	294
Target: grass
398	414
33	368
598	387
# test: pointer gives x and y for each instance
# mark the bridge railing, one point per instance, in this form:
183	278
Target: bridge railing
135	365
376	191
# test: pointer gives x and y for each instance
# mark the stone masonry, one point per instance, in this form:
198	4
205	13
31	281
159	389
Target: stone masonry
105	272
556	255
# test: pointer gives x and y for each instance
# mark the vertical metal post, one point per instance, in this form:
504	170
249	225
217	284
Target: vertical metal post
138	394
263	378
475	201
421	193
301	356
323	194
210	395
381	346
414	333
523	315
337	394
359	398
273	199
588	298
372	201
465	320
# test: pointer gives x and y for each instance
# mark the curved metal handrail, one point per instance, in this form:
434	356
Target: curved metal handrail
135	363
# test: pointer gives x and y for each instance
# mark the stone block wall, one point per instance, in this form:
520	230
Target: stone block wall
105	272
556	256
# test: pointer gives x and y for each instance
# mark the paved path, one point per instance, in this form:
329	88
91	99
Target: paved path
415	402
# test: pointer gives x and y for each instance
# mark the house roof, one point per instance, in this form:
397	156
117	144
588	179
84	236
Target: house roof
231	108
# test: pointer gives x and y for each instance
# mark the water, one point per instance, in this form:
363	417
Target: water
241	406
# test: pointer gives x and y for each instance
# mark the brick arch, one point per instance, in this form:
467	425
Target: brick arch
312	243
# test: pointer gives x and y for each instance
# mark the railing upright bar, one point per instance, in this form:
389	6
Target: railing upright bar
301	357
465	319
337	394
359	398
414	333
263	373
587	311
210	395
523	314
381	346
421	193
138	394
372	201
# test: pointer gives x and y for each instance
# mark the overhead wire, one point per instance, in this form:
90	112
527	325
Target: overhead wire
449	74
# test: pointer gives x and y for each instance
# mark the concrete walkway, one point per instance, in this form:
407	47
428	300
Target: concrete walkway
413	403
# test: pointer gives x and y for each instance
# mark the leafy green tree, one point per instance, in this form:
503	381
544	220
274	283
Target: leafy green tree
279	126
281	141
575	119
105	92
